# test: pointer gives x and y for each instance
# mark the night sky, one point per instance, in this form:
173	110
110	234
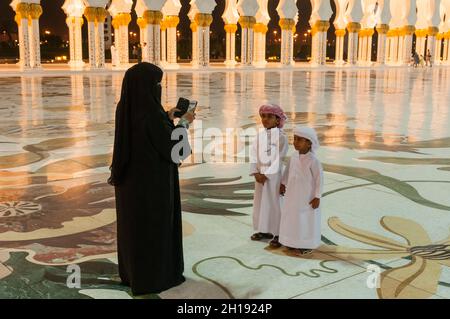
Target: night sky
53	17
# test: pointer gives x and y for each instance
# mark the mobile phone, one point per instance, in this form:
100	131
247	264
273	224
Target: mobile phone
183	105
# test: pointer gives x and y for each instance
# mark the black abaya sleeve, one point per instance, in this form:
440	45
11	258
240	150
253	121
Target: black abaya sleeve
159	130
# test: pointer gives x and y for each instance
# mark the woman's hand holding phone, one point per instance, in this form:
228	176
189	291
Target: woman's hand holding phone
172	112
189	116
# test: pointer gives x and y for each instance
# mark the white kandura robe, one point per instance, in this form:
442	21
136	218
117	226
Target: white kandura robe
300	223
266	201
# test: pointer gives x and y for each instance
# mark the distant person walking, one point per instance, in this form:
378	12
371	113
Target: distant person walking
428	59
422	61
134	52
139	53
416	59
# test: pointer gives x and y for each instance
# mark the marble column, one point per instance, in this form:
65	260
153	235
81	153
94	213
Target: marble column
203	21
230	33
153	36
353	29
27	19
100	37
319	40
340	36
194	28
446	55
96	17
120	24
247	23
35	41
438	49
75	41
172	23
382	30
143	37
432	41
407	33
421	37
287	41
365	46
21	18
163	26
393	46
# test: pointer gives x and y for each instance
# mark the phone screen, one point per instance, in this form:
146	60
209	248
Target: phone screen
192	106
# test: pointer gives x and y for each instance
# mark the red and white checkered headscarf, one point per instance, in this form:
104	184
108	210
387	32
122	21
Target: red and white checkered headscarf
275	110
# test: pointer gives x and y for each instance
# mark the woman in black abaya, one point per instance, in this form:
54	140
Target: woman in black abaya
145	176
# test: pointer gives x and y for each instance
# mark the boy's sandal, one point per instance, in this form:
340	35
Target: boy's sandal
304	252
260	236
294	251
256	236
275	243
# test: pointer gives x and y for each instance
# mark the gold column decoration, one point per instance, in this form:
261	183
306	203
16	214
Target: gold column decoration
340	32
259	28
321	26
115	23
382	28
203	19
287	24
353	27
35	11
90	13
193	27
96	15
121	19
101	15
395	32
408	30
421	33
232	28
18	19
153	17
141	22
366	33
172	21
73	20
247	22
163	24
22	12
432	31
447	35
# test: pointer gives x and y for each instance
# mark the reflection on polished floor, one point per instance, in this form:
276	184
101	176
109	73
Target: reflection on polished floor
386	209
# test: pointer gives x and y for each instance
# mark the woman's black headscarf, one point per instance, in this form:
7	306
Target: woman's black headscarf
140	96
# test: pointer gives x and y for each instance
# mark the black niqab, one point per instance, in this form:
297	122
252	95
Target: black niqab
140	96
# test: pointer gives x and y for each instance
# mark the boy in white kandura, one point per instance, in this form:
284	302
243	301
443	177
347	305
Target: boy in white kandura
301	186
266	156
